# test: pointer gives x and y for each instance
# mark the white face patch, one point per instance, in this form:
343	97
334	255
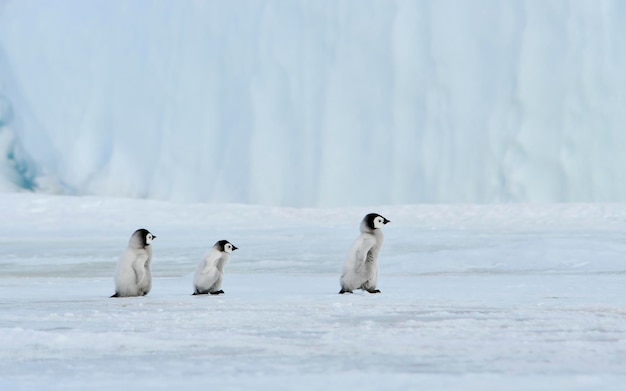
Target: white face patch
228	248
149	238
379	222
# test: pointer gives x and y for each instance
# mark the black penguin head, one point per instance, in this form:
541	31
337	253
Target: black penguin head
225	246
375	221
142	238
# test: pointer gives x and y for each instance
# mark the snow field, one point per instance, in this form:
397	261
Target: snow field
474	298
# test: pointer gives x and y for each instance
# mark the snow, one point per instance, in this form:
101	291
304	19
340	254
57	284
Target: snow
315	103
274	125
474	297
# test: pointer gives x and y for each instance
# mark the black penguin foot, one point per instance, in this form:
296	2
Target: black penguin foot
373	290
200	293
220	292
116	295
342	291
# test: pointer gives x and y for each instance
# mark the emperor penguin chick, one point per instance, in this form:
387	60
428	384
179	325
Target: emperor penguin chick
132	274
210	272
360	270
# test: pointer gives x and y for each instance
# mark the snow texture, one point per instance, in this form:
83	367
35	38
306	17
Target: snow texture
473	298
315	103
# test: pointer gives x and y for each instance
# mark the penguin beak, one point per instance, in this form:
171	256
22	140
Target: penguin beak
235	248
153	237
385	221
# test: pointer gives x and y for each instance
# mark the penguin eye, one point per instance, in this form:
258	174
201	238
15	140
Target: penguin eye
229	247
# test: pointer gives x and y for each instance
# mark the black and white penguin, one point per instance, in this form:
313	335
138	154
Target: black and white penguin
210	272
132	274
360	270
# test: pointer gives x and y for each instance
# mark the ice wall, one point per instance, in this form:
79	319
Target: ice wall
305	103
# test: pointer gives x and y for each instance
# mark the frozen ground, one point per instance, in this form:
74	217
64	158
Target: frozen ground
474	298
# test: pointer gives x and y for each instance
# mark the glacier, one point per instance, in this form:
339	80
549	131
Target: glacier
315	103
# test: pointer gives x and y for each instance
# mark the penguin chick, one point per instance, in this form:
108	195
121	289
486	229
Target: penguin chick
132	274
210	272
360	270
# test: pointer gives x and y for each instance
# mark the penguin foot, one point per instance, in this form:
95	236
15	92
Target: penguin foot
220	292
115	295
373	290
342	291
200	293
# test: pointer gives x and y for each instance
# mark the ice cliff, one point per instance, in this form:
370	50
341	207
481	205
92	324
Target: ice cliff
315	103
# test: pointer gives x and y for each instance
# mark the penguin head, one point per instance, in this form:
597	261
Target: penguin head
375	221
225	246
141	238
